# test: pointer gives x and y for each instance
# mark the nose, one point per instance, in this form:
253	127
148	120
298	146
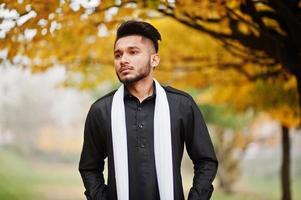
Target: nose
124	59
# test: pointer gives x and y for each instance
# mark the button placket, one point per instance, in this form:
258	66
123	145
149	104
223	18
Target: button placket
140	125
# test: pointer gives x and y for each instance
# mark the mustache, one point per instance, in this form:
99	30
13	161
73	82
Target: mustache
125	67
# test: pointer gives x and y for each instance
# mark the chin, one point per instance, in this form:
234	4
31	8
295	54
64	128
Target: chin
126	79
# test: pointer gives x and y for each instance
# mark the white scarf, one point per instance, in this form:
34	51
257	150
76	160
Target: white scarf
162	144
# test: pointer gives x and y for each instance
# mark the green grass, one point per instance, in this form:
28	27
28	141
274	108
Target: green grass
16	177
30	179
237	196
271	186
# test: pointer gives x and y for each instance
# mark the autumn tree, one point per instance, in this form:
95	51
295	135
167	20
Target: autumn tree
261	32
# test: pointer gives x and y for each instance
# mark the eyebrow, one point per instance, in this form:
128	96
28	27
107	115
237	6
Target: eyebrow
130	47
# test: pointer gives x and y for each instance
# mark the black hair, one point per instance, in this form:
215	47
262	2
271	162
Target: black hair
133	27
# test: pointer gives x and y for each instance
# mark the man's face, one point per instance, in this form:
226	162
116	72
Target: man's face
133	58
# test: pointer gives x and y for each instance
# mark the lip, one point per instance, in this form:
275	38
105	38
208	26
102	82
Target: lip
124	69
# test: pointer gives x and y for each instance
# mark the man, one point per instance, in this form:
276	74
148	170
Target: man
142	128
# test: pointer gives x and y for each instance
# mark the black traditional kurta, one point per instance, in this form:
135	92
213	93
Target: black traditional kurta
187	126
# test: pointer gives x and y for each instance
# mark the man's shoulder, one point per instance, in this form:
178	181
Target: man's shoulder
106	97
171	91
104	100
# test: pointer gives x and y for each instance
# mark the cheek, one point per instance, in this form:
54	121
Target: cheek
143	60
116	64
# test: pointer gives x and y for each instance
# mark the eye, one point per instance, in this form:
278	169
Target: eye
133	52
117	55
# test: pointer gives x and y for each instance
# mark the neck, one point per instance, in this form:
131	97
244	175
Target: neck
142	88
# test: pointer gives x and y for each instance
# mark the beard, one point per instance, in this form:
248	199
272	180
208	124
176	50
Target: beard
141	74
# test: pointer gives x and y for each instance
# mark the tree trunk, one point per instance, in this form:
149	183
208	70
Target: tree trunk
285	168
299	95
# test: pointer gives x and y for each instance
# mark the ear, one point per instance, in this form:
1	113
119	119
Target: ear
155	60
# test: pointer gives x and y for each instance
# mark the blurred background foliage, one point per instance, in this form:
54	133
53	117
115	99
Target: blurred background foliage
239	59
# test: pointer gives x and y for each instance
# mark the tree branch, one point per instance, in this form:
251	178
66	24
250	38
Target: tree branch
196	26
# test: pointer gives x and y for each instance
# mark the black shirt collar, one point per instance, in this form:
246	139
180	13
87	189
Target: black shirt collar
128	94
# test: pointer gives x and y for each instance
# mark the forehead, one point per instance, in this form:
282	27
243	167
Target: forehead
132	41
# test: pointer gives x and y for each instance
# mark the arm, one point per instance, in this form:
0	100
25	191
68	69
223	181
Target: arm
91	163
200	150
